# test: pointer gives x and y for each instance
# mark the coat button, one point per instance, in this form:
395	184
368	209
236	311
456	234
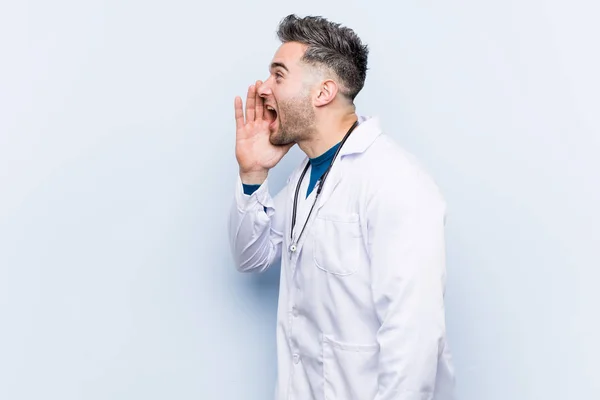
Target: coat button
296	358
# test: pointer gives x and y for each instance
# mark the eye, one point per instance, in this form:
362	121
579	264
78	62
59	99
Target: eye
278	76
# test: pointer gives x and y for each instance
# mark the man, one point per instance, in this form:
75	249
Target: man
360	233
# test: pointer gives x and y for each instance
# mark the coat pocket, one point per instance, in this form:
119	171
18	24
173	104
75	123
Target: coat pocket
350	370
336	241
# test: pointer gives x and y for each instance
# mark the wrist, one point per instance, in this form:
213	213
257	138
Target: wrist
254	177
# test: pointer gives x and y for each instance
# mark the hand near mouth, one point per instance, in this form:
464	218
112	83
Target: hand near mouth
255	154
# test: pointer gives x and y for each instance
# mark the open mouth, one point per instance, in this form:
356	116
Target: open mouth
271	116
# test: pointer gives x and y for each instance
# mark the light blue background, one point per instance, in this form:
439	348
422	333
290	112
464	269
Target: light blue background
117	169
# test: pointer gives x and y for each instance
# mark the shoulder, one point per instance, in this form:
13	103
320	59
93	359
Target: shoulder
389	174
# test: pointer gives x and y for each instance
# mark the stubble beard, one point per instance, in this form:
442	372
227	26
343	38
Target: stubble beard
296	121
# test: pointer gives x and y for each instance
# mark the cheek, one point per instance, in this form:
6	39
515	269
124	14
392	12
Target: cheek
277	93
283	92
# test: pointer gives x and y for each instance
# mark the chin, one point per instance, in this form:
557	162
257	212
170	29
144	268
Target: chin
278	138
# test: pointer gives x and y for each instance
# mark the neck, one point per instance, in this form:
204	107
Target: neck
328	132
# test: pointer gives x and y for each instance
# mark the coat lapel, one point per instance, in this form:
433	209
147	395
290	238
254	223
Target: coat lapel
331	183
362	137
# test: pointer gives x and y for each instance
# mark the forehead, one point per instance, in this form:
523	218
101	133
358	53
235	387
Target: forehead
289	54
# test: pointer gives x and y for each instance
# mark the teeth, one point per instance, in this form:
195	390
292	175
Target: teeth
270	108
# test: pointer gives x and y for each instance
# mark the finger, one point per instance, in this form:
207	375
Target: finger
239	113
250	104
260	103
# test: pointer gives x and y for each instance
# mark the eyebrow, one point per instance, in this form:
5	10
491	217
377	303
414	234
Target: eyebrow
280	65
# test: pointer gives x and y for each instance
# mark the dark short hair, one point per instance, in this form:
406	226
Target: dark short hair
329	44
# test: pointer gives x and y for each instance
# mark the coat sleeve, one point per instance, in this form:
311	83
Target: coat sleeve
407	251
255	228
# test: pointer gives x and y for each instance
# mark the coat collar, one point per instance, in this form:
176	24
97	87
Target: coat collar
363	136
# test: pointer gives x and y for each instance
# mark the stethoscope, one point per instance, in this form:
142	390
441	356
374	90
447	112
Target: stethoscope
293	246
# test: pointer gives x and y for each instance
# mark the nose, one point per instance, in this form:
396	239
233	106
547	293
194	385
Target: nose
265	89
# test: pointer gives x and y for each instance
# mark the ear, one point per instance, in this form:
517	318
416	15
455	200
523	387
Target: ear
326	92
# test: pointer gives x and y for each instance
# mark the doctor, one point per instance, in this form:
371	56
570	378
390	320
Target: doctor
359	230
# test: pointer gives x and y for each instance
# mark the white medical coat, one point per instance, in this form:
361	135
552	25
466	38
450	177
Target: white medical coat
361	302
